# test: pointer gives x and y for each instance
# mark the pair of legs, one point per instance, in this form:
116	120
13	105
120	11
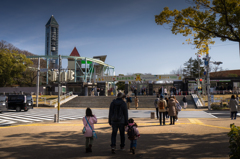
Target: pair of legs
234	114
157	112
185	105
88	144
172	120
133	146
128	105
115	127
162	118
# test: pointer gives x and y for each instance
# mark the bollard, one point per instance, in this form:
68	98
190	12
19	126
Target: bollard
55	118
152	115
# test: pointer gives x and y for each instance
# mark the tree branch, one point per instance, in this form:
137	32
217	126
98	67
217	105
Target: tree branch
227	22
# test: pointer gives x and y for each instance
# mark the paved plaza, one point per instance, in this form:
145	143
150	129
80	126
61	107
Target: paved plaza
198	138
198	134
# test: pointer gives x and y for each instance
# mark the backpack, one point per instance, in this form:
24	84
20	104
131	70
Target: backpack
117	113
161	105
131	133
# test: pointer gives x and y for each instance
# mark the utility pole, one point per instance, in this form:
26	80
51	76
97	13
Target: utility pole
59	80
208	81
38	71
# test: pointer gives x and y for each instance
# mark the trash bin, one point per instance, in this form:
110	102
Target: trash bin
152	115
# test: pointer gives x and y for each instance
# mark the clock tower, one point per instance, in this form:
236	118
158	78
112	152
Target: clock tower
51	41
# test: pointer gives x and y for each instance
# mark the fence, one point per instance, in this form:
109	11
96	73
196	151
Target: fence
44	100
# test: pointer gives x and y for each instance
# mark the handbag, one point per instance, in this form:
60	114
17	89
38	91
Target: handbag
84	130
179	108
93	132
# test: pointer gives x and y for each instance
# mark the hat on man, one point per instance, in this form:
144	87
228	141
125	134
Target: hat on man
121	95
161	96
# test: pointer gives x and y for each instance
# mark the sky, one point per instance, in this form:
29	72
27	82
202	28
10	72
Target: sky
124	30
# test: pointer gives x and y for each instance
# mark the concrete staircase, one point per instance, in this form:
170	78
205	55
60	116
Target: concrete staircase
104	102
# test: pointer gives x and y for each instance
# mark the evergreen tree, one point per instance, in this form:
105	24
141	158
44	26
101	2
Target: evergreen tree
191	68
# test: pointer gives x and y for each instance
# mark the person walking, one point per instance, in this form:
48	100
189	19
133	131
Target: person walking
156	105
135	91
118	119
88	121
160	91
177	103
129	101
167	116
172	109
233	104
98	91
133	134
165	91
184	102
136	101
237	98
162	104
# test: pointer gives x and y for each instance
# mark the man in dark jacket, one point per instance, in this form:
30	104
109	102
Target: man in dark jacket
118	119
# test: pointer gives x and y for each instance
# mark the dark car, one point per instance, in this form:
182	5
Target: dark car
19	102
3	103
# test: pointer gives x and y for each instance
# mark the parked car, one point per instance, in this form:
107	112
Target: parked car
20	102
3	103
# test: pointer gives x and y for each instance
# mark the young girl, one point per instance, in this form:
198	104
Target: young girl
89	119
133	134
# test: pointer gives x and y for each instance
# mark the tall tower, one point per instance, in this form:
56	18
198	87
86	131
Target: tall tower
51	40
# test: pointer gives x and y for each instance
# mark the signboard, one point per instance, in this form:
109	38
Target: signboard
139	77
43	69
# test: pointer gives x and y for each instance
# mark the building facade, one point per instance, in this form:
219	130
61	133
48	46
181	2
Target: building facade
51	41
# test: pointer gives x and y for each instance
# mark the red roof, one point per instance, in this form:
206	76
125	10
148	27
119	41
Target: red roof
75	52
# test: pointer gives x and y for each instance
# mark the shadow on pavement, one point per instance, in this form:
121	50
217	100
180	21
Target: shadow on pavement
71	144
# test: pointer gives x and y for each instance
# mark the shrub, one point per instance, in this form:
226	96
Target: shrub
234	142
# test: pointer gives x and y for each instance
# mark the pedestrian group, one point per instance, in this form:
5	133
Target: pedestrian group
118	120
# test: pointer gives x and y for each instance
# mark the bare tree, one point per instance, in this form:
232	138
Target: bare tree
177	71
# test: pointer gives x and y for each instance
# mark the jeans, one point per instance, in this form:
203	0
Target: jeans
157	112
235	115
115	127
133	144
172	120
89	141
162	118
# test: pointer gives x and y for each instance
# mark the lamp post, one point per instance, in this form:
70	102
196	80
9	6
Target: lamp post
59	80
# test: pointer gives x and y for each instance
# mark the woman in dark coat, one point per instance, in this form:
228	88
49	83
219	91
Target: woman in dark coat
172	110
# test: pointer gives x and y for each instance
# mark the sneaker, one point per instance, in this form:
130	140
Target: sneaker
122	148
133	150
113	151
